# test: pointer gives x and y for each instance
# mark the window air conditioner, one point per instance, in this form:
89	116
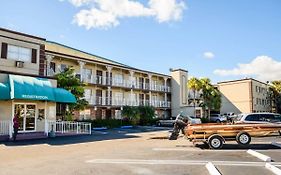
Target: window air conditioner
19	64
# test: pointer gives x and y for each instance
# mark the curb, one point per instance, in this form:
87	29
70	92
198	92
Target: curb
212	169
99	129
259	155
273	169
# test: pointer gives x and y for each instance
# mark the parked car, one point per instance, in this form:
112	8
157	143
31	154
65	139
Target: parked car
218	118
166	122
258	118
171	121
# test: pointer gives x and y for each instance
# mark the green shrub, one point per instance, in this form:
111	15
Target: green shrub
205	120
109	123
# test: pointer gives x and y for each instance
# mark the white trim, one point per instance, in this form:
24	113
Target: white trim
24	120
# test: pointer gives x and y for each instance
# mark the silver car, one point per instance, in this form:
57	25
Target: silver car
218	118
258	118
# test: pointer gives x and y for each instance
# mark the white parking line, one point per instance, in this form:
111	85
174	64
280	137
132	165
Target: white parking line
273	168
259	155
190	149
212	169
276	144
178	162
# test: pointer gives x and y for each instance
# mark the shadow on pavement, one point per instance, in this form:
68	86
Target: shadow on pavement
241	147
96	136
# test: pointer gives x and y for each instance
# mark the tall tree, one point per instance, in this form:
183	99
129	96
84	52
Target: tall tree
275	94
195	85
210	96
67	80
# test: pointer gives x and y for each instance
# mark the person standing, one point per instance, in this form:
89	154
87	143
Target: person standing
16	126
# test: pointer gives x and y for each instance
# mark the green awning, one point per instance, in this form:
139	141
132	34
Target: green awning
64	96
31	88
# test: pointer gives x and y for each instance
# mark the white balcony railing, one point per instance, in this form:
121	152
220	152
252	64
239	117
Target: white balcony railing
105	101
65	127
124	83
5	128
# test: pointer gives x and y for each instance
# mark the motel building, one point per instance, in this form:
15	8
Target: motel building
28	88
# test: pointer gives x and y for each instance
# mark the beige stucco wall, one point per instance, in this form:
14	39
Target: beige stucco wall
262	95
236	97
22	41
240	96
179	93
5	110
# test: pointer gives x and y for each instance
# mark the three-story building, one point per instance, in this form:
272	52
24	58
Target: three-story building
110	85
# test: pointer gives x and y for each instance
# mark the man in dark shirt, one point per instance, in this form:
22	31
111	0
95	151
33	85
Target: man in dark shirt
16	126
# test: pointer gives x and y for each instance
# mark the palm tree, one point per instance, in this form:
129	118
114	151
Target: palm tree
195	85
211	97
275	94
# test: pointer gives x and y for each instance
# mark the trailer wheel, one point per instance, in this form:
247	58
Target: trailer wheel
243	138
215	142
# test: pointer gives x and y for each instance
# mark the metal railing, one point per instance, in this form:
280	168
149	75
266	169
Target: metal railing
105	101
102	80
5	127
66	127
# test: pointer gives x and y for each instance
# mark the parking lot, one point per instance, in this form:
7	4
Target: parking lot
133	151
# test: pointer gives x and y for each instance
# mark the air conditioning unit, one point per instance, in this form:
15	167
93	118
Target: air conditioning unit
19	64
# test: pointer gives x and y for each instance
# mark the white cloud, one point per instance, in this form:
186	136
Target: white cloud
209	55
107	13
263	68
79	3
167	10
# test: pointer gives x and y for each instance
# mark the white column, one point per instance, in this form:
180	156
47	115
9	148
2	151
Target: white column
108	95
165	86
81	64
150	81
109	69
131	77
46	121
49	58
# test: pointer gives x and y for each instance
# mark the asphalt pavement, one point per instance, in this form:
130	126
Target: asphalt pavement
144	150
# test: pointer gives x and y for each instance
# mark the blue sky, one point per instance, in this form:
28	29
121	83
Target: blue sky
209	38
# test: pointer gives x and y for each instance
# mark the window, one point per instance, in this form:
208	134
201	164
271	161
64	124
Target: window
118	79
256	88
87	94
63	67
88	74
277	118
19	53
253	117
53	66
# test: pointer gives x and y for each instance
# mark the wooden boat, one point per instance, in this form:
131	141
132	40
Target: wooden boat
216	134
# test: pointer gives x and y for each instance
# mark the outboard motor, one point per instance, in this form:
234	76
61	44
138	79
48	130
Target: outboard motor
180	123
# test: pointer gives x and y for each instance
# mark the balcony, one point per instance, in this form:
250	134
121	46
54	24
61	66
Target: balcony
101	80
105	101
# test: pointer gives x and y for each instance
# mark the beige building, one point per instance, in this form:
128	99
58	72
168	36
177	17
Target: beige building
110	85
24	92
244	96
28	88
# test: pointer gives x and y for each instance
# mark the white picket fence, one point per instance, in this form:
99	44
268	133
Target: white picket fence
65	127
5	128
